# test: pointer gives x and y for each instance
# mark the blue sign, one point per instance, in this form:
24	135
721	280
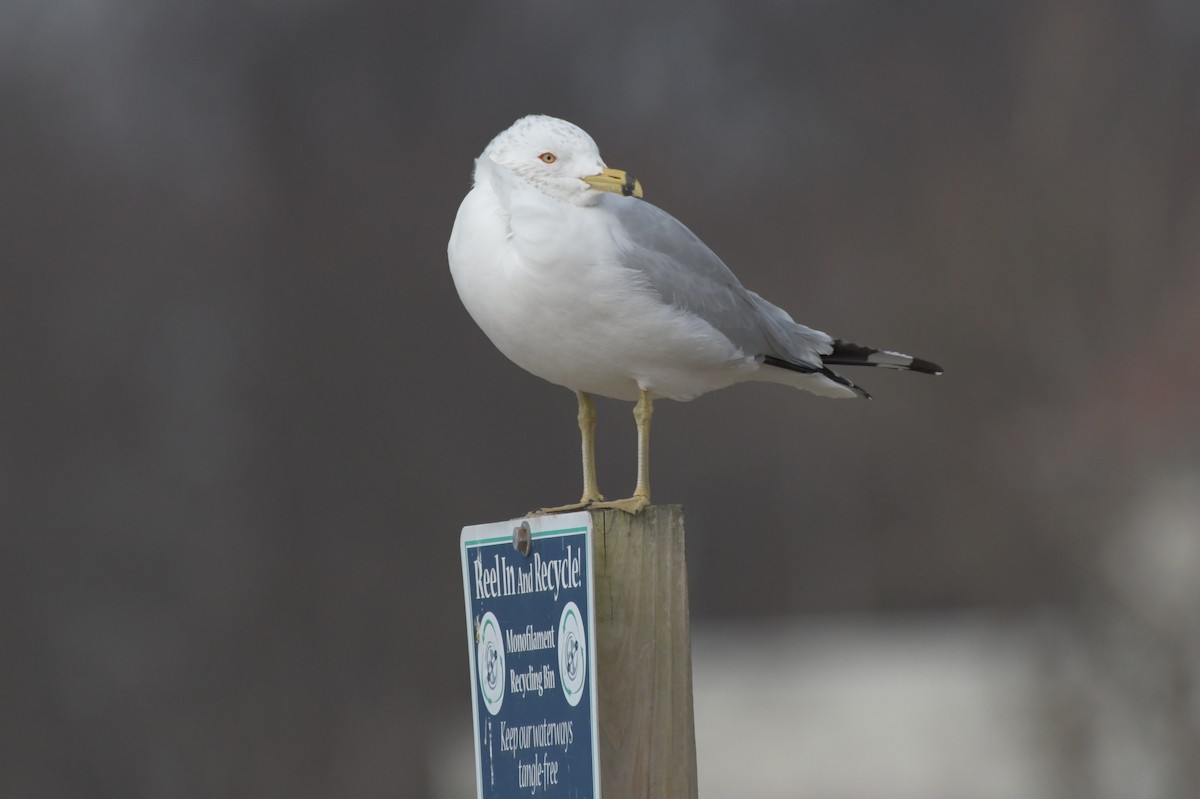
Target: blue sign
530	622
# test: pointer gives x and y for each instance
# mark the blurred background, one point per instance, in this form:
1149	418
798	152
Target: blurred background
244	415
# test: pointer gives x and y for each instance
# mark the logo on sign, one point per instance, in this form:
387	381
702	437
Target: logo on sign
572	653
490	663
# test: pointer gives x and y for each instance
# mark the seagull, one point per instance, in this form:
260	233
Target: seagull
578	280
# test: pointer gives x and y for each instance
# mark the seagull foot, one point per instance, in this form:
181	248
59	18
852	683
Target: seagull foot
634	505
587	503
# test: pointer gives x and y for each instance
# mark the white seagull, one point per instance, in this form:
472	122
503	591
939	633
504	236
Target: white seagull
578	280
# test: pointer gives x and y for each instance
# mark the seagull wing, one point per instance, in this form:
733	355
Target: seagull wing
690	276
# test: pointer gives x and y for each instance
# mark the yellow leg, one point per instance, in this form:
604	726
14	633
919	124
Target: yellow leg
641	416
641	493
587	436
587	431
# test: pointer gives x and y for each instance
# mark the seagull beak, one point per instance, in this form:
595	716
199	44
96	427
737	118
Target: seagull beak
615	180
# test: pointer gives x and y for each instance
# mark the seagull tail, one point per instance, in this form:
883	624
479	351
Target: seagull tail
847	353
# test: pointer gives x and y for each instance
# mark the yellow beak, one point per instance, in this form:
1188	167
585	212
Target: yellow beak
615	180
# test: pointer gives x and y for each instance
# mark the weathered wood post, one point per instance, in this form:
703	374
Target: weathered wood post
644	654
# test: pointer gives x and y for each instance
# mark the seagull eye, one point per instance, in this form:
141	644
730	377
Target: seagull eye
548	158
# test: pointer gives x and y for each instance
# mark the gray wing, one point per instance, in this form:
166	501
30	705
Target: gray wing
690	276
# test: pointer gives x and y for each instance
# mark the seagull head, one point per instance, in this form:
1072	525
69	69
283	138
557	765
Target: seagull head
558	159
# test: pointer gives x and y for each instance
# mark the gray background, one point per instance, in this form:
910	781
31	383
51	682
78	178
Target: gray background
244	415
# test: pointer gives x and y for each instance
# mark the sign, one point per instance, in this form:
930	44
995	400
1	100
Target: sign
529	593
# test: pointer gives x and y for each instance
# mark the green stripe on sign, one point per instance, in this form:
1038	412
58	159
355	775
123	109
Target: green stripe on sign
567	531
483	541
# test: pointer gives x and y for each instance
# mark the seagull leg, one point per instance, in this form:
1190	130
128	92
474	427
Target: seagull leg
641	493
587	436
641	416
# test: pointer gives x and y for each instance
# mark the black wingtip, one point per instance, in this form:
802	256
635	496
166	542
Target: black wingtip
924	367
847	353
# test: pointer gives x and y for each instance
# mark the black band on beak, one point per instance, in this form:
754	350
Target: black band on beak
627	186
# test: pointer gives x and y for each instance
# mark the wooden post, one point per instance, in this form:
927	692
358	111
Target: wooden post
644	655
